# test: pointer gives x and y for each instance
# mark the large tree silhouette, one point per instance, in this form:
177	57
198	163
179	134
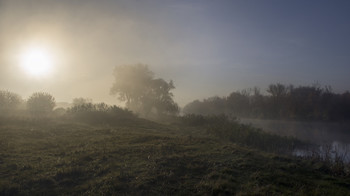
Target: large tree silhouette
142	93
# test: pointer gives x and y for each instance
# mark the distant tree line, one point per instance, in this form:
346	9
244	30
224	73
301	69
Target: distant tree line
135	85
288	102
38	104
41	105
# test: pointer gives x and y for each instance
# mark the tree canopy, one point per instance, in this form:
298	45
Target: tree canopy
142	93
9	102
41	103
282	102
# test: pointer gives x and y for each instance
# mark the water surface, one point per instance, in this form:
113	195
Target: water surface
331	139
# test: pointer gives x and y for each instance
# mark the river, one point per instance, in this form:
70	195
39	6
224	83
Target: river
332	139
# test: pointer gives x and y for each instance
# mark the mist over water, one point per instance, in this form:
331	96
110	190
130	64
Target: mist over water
330	138
314	132
334	150
131	97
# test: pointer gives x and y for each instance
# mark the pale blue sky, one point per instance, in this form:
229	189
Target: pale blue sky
207	47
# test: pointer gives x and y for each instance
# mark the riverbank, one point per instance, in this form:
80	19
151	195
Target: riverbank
144	158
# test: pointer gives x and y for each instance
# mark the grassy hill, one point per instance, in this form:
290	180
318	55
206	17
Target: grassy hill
55	157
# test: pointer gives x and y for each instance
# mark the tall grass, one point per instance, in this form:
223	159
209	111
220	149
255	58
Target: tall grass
229	129
64	158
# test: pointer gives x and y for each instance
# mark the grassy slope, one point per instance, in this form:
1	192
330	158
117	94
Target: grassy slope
147	158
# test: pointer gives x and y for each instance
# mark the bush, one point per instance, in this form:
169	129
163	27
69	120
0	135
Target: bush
100	113
9	102
41	104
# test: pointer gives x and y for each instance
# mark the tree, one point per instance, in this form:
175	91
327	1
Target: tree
81	101
196	107
306	102
277	90
160	98
41	104
238	102
256	104
278	102
9	102
135	85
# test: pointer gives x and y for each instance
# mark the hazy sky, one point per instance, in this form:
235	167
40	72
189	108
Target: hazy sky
207	47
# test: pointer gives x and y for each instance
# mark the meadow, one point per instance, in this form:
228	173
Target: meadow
192	155
131	97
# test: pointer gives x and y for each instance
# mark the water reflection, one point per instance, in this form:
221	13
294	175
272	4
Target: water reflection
336	151
330	141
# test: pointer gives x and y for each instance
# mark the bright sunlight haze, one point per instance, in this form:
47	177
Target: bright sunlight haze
36	61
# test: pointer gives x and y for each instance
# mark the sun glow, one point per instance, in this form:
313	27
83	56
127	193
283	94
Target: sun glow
36	61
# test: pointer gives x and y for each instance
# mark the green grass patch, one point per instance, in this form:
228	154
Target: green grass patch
146	158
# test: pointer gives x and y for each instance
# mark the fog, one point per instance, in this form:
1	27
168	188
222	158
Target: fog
89	39
206	48
80	36
315	132
330	138
142	97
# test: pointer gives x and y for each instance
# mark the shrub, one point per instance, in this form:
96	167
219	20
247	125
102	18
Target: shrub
9	102
41	104
100	113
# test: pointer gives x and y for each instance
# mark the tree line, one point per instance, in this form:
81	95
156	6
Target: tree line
135	85
151	97
38	104
311	103
42	106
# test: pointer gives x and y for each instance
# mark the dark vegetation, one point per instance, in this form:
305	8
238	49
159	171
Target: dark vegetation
139	157
306	103
142	93
100	113
231	130
99	149
41	104
96	149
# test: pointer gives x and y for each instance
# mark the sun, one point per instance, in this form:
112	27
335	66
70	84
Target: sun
36	61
